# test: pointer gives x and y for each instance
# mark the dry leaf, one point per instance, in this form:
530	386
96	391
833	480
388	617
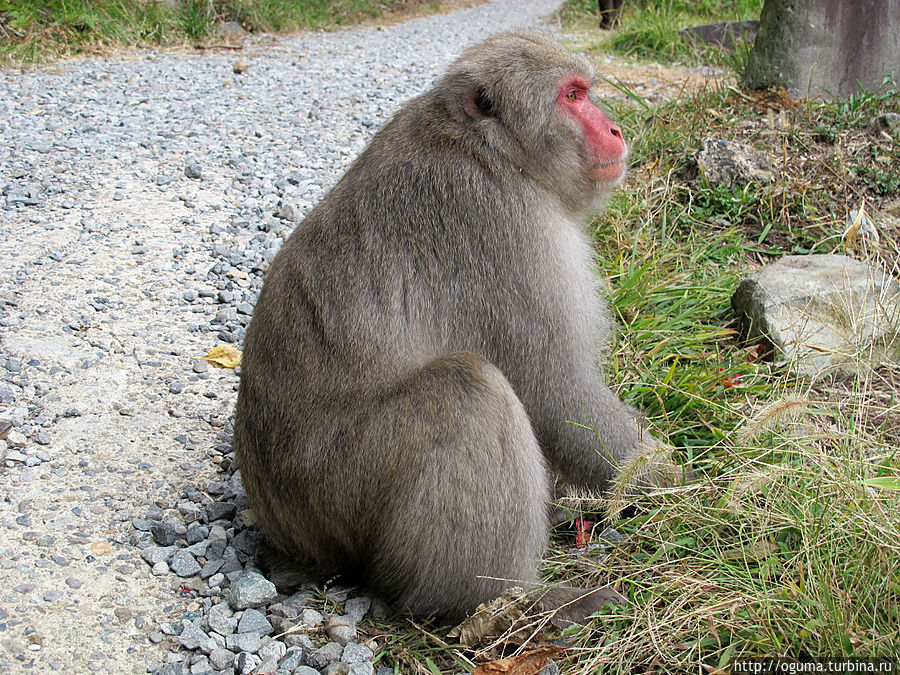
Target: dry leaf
529	663
491	618
224	356
99	548
516	617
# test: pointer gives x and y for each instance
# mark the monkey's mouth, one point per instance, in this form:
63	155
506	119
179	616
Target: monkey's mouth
609	171
603	165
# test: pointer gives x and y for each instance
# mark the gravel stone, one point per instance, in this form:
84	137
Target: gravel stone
364	668
324	655
340	630
356	653
144	195
254	621
356	608
192	637
184	564
292	658
221	659
245	663
158	554
310	618
243	642
221	620
272	650
251	589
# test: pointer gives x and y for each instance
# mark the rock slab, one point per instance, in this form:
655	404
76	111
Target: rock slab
824	314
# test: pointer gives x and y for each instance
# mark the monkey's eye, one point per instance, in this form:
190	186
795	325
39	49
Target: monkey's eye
572	96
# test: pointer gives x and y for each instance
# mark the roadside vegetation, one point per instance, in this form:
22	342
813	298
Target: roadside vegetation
788	541
40	31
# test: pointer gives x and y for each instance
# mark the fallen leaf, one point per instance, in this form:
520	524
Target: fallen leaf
99	548
512	618
224	356
529	663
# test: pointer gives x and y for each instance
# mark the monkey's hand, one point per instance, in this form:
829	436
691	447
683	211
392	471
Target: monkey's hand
651	467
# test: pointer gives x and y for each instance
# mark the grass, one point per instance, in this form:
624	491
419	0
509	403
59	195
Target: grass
785	545
40	31
648	29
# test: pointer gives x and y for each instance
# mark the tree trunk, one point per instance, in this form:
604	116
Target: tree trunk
822	48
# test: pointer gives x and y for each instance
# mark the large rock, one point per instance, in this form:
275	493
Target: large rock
731	164
724	34
822	48
825	314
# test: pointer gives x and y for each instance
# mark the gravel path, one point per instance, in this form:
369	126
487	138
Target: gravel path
137	218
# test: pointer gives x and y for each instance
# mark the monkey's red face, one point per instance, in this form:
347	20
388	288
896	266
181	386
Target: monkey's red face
603	139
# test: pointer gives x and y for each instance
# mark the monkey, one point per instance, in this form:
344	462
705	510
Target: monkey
609	12
425	339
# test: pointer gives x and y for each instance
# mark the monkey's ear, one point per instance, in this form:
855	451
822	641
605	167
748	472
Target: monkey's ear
477	104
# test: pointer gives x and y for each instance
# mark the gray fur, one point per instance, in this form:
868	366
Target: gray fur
424	337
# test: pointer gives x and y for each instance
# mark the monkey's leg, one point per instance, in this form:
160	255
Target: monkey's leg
464	514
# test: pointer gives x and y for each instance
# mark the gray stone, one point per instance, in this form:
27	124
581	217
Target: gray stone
723	34
728	163
356	653
192	637
822	48
306	670
364	668
220	619
158	554
825	314
251	589
163	533
289	213
210	568
221	659
336	668
550	668
254	621
340	629
201	666
310	618
272	650
292	658
244	642
356	608
245	663
327	653
184	564
301	640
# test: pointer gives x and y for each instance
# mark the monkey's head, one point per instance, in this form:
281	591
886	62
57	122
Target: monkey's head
524	96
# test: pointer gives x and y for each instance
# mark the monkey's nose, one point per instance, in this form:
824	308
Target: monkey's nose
615	130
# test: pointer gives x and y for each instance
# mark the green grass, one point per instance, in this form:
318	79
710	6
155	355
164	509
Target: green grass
38	31
648	29
782	546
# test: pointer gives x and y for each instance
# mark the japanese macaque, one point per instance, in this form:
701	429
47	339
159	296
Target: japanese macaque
426	338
